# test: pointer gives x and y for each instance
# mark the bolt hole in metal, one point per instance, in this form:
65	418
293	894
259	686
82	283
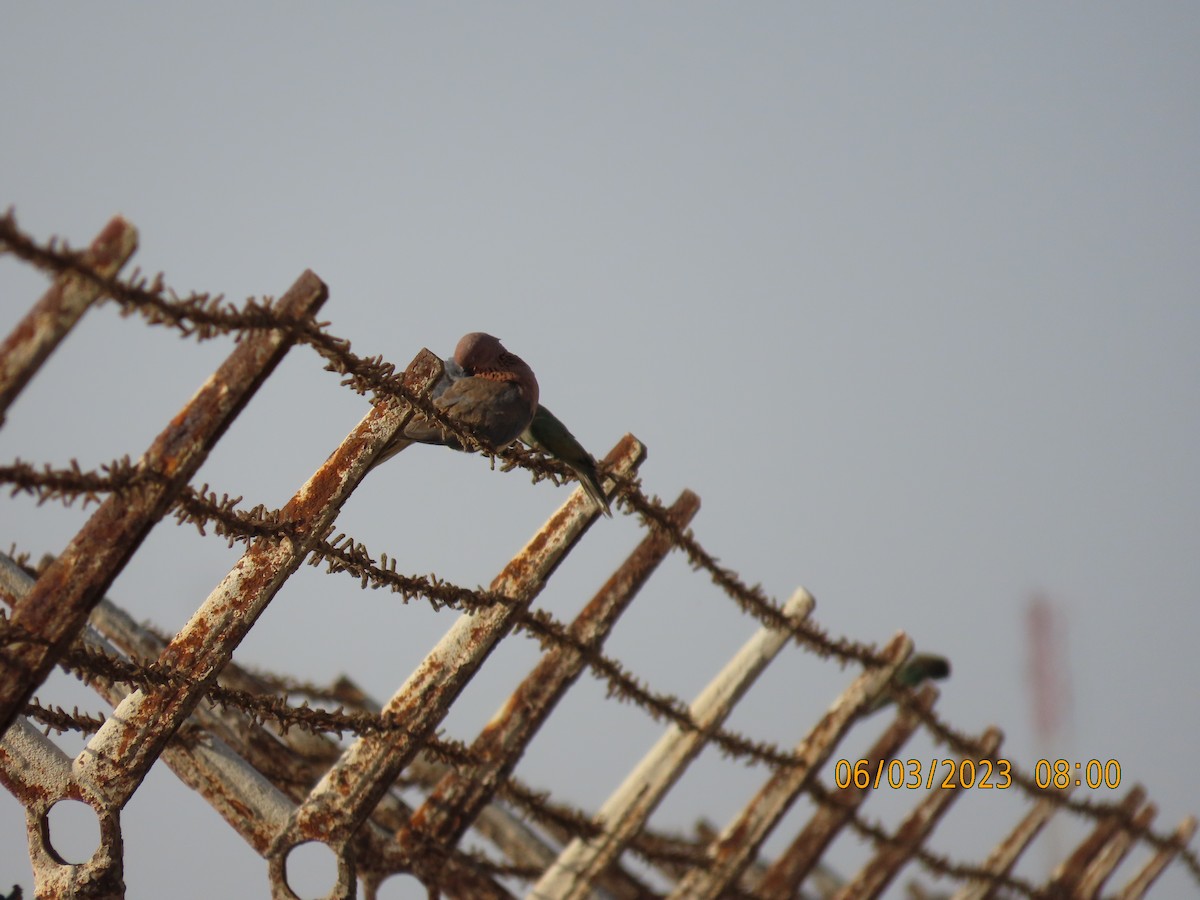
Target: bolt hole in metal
311	870
73	831
402	887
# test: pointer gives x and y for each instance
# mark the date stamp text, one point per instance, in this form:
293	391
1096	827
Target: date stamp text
968	774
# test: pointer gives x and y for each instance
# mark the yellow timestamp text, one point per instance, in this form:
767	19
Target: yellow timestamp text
948	774
965	774
1063	773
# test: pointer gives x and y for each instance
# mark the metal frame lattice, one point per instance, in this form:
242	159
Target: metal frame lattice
273	770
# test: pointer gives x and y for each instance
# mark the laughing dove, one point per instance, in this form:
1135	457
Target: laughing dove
490	392
494	395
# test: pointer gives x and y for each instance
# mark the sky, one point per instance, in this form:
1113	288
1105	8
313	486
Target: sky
908	294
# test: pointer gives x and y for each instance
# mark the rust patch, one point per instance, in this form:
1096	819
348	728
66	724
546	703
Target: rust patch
45	325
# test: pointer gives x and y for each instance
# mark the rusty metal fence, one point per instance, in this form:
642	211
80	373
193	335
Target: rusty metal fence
272	767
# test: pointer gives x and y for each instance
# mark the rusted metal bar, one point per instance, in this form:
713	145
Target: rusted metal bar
287	760
1005	854
458	798
58	606
625	812
293	762
377	852
229	725
124	749
502	828
452	807
874	878
243	796
1066	878
1140	883
204	762
278	789
119	755
209	758
741	839
351	788
511	837
784	877
1113	852
48	321
39	774
228	759
379	856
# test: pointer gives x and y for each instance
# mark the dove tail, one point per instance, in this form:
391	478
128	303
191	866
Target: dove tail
589	480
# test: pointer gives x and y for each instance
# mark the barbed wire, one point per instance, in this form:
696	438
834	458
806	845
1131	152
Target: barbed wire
259	709
70	484
656	848
347	555
343	554
203	316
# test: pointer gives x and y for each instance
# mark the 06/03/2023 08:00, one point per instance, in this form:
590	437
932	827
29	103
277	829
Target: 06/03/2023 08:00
967	774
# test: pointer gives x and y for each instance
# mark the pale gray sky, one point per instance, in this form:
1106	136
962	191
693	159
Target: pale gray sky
908	295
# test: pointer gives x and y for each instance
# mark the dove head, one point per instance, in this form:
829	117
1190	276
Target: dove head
482	355
478	350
